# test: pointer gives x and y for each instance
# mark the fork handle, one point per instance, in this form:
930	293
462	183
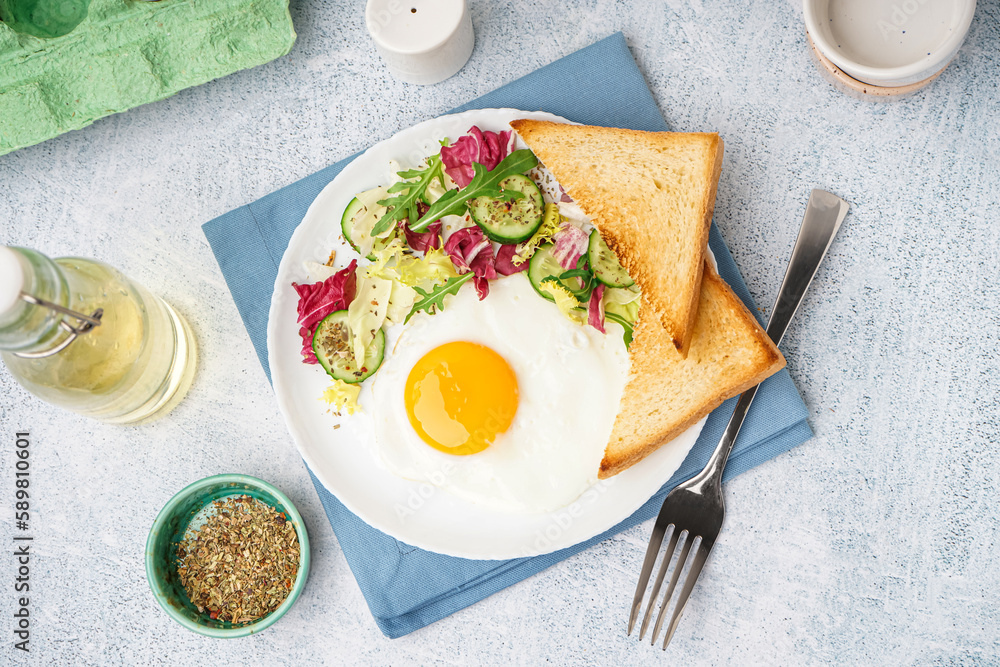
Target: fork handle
822	219
820	223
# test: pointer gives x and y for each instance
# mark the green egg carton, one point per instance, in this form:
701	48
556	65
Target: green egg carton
127	53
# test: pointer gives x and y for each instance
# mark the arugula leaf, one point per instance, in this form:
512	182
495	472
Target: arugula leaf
483	184
407	193
587	280
433	301
626	325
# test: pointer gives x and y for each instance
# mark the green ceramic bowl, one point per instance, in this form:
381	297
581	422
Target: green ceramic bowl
168	530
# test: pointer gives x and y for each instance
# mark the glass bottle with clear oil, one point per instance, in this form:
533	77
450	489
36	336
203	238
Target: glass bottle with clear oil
80	335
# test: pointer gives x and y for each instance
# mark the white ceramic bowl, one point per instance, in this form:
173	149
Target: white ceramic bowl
346	460
889	42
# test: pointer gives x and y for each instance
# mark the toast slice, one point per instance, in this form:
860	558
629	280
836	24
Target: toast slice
665	394
651	195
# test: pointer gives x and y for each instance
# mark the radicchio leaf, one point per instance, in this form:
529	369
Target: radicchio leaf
595	310
470	250
317	300
425	240
570	244
486	148
505	261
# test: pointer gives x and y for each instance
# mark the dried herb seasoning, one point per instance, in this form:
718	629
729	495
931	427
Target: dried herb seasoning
241	563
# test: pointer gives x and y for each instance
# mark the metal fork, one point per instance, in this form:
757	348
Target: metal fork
695	508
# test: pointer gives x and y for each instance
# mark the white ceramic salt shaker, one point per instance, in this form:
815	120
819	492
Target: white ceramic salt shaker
421	41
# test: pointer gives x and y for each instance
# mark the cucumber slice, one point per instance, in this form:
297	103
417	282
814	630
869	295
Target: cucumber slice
510	221
605	265
332	346
355	208
543	265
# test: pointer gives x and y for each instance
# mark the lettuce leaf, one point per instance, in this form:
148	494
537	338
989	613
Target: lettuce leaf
565	301
367	312
385	261
362	227
393	263
621	295
401	299
621	305
550	225
404	272
434	267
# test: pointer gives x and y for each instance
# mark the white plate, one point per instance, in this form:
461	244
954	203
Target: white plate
344	459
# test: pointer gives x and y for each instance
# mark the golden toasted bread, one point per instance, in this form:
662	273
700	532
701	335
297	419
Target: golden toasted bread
666	394
651	195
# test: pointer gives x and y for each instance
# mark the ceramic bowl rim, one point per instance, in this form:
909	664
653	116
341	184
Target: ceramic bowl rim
300	578
881	75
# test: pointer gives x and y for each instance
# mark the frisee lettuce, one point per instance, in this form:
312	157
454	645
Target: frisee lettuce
550	225
393	263
434	267
567	303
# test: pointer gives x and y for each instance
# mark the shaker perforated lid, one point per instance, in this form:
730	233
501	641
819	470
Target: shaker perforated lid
421	41
11	279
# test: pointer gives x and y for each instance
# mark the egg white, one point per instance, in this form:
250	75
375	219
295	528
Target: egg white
570	380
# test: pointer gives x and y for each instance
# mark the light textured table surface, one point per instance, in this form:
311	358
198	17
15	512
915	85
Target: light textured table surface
873	543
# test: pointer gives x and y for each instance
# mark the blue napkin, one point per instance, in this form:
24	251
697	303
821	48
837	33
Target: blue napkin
407	588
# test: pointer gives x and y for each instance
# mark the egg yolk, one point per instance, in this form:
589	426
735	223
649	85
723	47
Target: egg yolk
460	396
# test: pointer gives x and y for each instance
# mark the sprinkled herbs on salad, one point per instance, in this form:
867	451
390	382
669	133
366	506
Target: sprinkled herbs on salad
477	210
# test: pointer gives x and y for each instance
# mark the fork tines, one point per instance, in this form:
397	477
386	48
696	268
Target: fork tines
690	568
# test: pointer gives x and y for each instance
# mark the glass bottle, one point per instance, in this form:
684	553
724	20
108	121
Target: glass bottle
80	335
44	18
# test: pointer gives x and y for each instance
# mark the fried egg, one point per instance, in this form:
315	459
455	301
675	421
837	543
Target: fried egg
504	402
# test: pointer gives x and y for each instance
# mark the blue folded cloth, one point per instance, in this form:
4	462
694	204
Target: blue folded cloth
407	588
